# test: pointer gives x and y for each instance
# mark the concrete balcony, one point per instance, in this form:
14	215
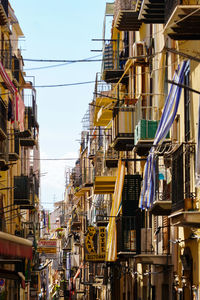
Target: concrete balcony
182	19
125	16
152	11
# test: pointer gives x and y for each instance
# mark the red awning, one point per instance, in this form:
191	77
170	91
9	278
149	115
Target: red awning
14	246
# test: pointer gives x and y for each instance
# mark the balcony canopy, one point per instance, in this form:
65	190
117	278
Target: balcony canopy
104	184
103	111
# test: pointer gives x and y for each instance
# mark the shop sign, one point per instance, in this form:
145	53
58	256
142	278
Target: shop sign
95	251
47	246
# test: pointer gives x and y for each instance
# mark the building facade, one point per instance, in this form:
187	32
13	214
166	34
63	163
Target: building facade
133	219
19	166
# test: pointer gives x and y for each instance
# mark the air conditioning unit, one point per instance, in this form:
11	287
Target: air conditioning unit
139	52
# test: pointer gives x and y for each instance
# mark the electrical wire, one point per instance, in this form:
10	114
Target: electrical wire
59	65
64	84
32	158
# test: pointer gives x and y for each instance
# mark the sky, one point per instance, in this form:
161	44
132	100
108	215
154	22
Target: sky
60	30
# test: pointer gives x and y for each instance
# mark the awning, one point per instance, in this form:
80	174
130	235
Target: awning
13	246
166	121
104	184
111	246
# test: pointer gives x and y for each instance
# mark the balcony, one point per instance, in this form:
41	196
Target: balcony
162	203
146	117
130	194
18	77
125	16
87	177
3	120
102	220
154	251
113	63
6	58
22	190
76	222
27	137
123	128
184	209
182	19
111	158
103	110
34	193
3	156
76	176
103	102
14	148
128	236
3	12
152	12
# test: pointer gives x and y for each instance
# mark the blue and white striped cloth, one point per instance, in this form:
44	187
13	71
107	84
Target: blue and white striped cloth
166	121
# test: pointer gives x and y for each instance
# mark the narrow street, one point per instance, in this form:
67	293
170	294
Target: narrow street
100	154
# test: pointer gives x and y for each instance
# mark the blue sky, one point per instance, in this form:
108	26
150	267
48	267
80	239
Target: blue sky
60	29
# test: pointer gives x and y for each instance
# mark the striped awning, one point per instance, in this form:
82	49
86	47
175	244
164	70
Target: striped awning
166	121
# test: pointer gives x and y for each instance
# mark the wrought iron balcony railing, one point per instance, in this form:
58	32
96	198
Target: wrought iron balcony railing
183	190
162	203
128	235
3	120
6	58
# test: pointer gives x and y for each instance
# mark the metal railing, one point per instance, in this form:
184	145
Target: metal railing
6	58
163	186
101	87
87	175
3	116
17	69
183	190
124	5
22	188
128	234
144	110
155	243
113	58
111	154
123	122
